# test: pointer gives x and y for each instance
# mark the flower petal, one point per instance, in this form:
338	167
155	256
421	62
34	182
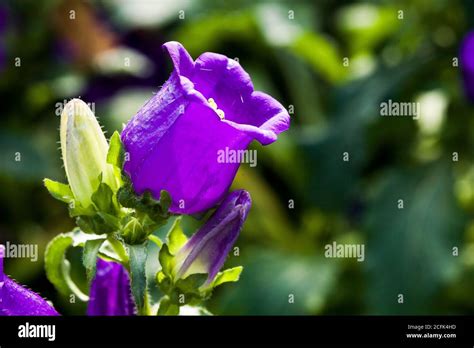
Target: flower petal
16	300
255	113
185	161
110	292
182	61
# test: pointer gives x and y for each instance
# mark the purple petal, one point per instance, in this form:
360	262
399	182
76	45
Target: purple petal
207	250
110	292
467	64
174	140
182	61
16	300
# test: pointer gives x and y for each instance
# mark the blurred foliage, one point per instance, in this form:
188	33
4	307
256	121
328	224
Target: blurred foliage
296	51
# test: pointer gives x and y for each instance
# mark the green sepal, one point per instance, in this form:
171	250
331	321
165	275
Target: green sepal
115	155
103	198
60	191
138	255
98	223
166	261
156	210
176	237
76	209
227	276
89	256
191	283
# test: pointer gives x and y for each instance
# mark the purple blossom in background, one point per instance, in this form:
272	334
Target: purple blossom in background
206	251
110	292
467	64
16	300
206	106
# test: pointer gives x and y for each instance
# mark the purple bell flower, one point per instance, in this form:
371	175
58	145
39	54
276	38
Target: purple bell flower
207	106
110	292
16	300
207	250
466	56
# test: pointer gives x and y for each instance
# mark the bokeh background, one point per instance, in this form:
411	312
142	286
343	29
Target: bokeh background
293	50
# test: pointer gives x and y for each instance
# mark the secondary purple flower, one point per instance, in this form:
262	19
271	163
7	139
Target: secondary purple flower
467	64
207	249
110	292
16	300
206	106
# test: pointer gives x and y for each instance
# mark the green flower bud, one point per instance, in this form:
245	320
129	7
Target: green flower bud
84	151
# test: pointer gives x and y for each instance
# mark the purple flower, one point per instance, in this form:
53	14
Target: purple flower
467	64
206	251
110	292
207	106
16	300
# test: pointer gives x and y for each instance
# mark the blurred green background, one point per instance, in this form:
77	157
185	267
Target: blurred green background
295	51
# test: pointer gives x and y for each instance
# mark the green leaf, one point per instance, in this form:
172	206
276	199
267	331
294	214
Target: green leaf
57	267
138	255
115	154
89	256
59	191
229	275
166	261
176	237
103	198
167	307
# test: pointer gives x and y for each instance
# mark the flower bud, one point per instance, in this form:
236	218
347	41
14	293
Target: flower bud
84	151
207	250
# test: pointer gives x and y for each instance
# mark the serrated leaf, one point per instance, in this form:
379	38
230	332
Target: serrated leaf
103	198
229	275
89	256
166	260
176	237
115	153
60	191
138	255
